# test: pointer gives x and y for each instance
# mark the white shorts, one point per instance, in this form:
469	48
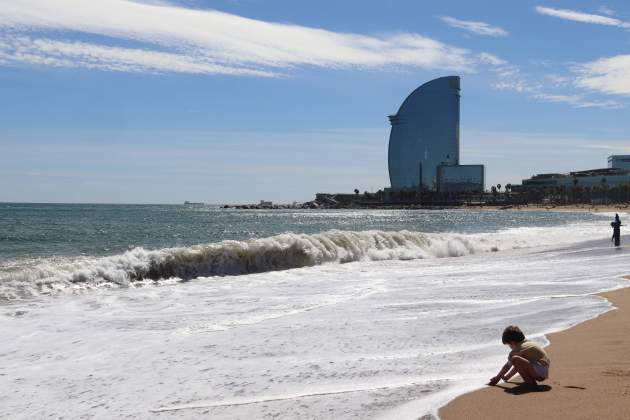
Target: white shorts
541	370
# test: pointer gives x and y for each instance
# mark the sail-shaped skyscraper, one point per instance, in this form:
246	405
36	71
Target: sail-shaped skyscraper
424	141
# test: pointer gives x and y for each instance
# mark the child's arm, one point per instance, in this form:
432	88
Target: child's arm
509	375
502	372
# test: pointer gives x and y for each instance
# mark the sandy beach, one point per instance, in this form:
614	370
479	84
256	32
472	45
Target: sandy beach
589	379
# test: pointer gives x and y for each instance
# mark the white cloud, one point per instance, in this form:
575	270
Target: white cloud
202	41
475	27
581	17
517	85
80	54
577	101
510	78
549	97
608	75
557	80
491	59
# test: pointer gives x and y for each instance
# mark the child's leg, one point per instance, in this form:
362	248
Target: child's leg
525	369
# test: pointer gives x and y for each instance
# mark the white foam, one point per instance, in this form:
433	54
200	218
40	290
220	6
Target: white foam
139	267
373	338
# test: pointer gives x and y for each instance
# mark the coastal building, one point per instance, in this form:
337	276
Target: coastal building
617	174
424	142
460	178
619	162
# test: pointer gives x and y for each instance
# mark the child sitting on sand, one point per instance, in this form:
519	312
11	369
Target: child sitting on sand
527	359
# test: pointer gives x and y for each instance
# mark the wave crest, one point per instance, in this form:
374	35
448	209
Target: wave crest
225	258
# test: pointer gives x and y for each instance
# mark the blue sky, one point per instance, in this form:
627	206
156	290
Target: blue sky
241	100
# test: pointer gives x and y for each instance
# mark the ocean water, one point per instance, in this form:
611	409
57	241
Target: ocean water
200	312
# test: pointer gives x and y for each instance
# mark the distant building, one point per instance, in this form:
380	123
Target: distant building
460	178
619	162
545	180
424	141
617	173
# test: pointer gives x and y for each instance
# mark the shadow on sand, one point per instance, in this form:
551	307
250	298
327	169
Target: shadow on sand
521	389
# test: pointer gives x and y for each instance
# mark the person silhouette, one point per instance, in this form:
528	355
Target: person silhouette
616	225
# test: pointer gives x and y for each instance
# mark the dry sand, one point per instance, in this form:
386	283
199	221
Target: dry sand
589	376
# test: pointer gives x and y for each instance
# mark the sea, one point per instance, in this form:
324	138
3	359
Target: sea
195	311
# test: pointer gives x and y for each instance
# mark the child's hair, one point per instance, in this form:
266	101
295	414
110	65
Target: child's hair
512	333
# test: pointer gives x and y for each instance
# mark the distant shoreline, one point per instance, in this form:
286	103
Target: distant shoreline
590	208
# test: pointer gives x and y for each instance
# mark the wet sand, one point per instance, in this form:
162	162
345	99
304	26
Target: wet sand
589	376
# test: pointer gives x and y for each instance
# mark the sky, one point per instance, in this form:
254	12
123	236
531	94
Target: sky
236	101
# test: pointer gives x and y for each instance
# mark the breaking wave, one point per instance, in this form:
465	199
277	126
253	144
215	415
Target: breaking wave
139	266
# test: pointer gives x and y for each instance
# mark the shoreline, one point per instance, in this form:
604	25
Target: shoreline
590	208
589	377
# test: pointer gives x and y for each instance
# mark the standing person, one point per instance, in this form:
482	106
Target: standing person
616	225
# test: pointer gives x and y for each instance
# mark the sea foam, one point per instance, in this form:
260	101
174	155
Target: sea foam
140	266
345	337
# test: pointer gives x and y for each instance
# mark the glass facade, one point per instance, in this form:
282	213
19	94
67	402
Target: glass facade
424	135
460	178
619	162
